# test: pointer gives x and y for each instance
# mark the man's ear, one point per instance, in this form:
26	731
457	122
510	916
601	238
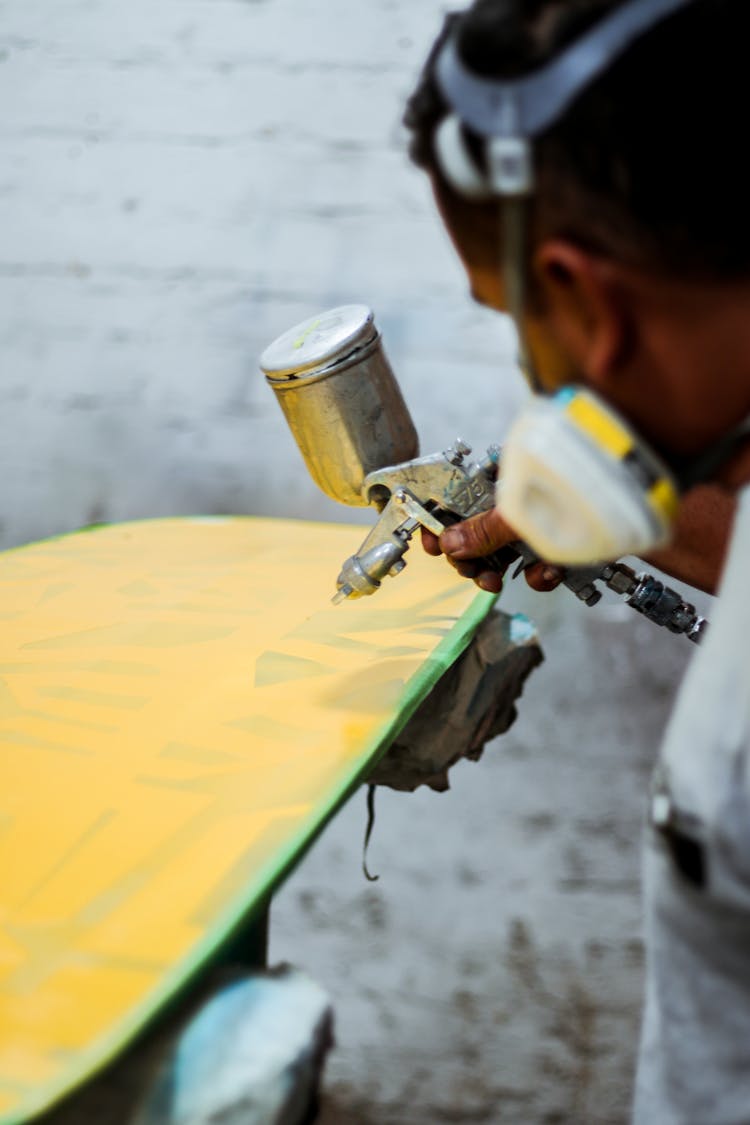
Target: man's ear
585	307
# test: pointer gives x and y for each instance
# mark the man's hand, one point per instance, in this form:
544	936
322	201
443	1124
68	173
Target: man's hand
695	555
466	544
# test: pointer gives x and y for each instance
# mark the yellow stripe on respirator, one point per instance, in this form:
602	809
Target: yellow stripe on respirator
579	486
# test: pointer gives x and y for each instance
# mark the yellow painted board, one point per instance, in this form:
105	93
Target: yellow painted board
181	710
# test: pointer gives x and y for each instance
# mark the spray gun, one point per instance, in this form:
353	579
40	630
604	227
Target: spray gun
353	428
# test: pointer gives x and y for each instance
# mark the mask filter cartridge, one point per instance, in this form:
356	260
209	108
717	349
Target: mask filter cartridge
578	485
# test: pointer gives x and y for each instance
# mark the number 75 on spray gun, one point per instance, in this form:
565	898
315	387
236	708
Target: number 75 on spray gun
347	414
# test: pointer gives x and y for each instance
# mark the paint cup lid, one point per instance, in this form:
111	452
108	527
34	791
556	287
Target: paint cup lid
318	342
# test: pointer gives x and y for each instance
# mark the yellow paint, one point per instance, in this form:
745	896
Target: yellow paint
301	340
179	707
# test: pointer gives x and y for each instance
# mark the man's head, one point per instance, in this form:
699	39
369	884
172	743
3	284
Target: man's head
639	240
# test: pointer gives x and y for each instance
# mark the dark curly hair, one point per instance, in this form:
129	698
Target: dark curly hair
648	164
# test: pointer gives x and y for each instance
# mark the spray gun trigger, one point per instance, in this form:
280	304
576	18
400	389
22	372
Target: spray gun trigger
412	508
523	564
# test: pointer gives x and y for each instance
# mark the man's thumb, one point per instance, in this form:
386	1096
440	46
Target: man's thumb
478	536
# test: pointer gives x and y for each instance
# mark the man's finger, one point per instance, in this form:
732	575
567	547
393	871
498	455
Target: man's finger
469	569
543	577
431	543
490	581
481	535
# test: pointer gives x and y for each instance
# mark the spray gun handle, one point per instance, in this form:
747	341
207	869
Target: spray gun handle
579	580
499	560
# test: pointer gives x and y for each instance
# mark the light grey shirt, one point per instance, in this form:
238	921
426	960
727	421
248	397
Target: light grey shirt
694	1064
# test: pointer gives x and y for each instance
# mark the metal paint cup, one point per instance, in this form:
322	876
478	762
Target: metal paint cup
341	399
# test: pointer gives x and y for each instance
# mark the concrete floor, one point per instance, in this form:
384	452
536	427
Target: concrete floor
182	180
493	974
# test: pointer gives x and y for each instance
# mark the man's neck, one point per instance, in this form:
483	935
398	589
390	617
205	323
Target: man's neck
736	472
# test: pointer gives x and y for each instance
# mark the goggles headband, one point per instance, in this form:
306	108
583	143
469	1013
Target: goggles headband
526	106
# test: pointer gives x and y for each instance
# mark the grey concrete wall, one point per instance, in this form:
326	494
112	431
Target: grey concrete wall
182	180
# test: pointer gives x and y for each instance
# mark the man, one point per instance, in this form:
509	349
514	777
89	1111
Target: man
603	202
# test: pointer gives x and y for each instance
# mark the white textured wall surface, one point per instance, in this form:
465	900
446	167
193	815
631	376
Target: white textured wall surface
180	181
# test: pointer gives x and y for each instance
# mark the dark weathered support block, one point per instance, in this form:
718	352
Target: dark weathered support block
473	702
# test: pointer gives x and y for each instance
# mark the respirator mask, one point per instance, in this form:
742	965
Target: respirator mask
577	483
